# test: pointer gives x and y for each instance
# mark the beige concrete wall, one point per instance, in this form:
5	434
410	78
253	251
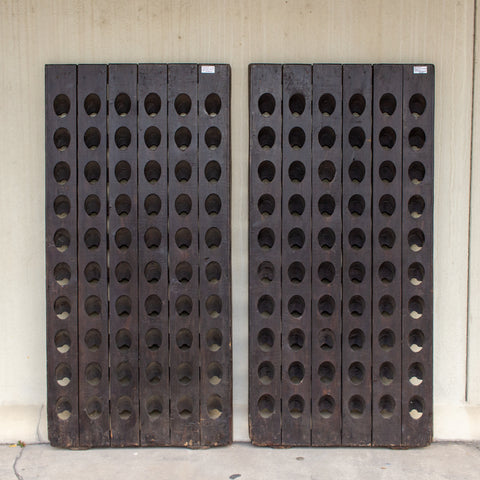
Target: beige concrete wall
33	33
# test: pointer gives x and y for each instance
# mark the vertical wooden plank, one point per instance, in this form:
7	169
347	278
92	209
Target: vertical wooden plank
417	247
183	254
357	251
152	255
61	253
93	391
387	254
296	253
123	289
265	220
326	265
214	253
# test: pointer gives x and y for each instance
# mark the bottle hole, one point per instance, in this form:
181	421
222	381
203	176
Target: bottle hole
416	407
61	173
416	206
213	171
416	138
154	373
266	171
123	306
152	138
416	239
153	339
213	204
416	306
296	104
123	239
386	339
123	340
326	406
296	372
93	306
152	104
296	238
296	138
416	273
356	373
386	238
153	305
386	373
356	406
61	206
416	339
386	205
388	104
357	104
122	104
63	374
92	104
296	272
123	272
356	205
152	272
356	306
154	407
266	406
356	171
93	340
184	272
326	339
93	374
183	104
214	373
183	205
61	139
92	138
327	104
183	306
387	171
386	272
265	306
62	308
63	341
123	137
91	239
416	173
326	306
124	408
266	238
296	172
326	272
213	138
184	339
183	238
326	137
92	273
296	306
123	171
61	240
213	238
386	406
296	205
296	406
417	104
266	138
185	373
265	339
296	339
214	339
183	138
387	138
266	272
326	205
185	408
386	305
266	104
356	339
63	408
326	372
356	272
61	105
266	372
416	373
62	274
92	172
183	171
326	238
213	104
152	204
213	272
356	138
356	238
213	304
92	205
123	205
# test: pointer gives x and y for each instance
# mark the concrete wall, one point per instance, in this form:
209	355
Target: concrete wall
33	33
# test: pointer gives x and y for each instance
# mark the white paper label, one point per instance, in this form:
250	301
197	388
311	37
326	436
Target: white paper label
208	68
420	69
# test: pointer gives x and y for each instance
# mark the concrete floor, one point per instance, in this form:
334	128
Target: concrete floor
242	461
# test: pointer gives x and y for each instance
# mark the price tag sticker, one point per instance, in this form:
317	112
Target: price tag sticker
208	68
420	69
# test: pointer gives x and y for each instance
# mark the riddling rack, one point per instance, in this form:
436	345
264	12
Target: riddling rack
138	255
340	254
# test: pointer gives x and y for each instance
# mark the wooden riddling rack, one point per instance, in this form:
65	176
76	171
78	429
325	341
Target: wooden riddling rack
138	255
340	254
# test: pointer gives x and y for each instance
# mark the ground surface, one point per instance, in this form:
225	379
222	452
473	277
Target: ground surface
242	461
